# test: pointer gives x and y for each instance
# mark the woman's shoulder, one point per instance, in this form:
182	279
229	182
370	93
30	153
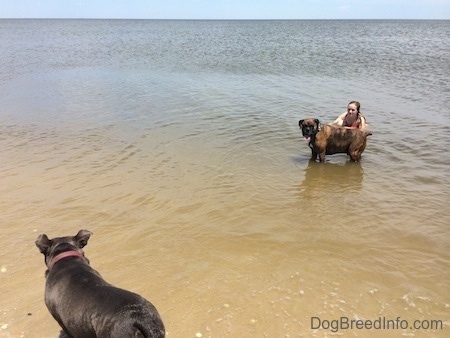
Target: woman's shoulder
342	116
363	124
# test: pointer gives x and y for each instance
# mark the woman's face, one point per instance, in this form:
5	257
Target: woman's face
351	109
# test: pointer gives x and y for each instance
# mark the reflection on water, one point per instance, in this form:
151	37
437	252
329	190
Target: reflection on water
332	177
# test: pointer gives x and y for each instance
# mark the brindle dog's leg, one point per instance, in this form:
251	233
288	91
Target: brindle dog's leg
322	156
355	155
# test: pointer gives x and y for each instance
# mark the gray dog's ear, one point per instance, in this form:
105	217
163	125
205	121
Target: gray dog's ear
82	238
300	122
43	243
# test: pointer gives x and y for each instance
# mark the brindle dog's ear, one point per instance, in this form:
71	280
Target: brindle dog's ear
317	122
300	122
43	243
82	238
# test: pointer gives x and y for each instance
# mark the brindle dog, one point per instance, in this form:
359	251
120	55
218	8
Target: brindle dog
325	139
84	304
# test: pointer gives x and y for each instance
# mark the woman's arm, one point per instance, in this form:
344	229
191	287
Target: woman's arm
363	123
340	120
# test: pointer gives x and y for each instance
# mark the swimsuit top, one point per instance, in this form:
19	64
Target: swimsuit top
354	124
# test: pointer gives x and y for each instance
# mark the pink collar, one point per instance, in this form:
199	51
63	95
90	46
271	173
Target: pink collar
62	255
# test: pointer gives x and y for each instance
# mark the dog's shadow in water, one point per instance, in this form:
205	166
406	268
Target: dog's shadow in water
328	176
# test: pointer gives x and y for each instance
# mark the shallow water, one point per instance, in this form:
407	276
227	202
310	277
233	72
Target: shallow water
177	144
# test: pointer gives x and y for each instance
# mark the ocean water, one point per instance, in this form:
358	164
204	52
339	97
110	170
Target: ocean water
177	144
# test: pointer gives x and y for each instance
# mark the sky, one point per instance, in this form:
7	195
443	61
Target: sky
227	9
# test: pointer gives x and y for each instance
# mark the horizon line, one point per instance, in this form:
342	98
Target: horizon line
217	19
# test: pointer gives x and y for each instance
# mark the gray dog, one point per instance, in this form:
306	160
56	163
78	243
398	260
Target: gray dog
84	304
326	140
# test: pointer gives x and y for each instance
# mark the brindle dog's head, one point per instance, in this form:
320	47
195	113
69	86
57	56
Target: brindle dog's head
50	248
309	127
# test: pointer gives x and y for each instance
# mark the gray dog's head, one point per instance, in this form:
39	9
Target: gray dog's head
309	127
50	248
